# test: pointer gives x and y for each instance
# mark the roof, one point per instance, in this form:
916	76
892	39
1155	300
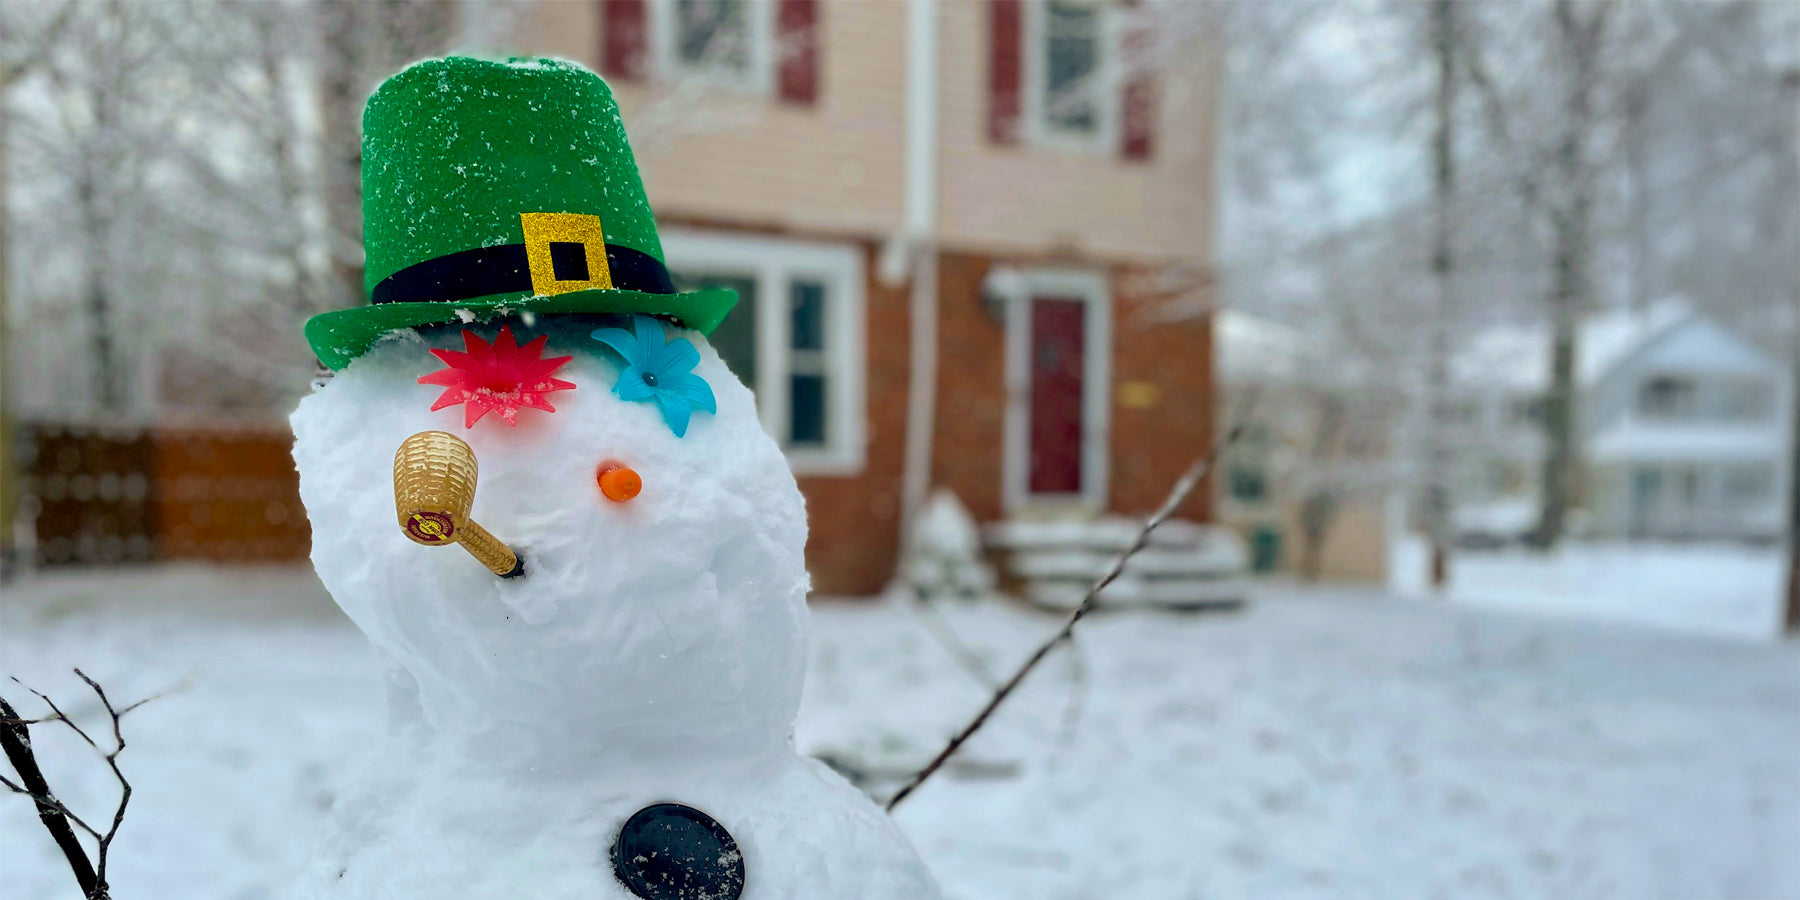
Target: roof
1518	356
1251	348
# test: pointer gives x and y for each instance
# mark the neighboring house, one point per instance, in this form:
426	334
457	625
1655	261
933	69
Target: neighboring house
1022	177
1307	483
1683	429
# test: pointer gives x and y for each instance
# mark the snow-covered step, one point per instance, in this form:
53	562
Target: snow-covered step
1114	533
1151	562
1220	592
1184	564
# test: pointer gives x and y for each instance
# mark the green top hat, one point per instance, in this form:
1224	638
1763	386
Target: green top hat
493	189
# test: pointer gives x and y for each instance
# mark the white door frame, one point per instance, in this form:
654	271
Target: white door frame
1090	287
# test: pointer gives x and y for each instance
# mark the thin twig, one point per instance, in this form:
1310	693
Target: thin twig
52	802
59	716
1183	487
112	762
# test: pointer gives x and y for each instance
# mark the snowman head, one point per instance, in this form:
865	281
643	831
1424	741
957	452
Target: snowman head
671	614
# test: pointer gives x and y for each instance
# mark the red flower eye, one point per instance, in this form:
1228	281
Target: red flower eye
503	377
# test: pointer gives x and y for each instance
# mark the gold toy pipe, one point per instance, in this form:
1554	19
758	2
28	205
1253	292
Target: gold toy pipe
434	488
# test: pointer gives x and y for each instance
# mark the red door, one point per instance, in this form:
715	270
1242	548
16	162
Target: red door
1058	347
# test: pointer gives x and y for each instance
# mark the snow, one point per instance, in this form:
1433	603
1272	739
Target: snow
945	556
1715	589
1184	563
1319	744
652	652
1251	348
1517	356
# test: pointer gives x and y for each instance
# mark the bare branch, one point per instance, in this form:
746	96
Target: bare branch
51	802
15	741
59	716
1184	486
112	762
55	815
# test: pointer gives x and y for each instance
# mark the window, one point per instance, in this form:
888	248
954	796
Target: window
1668	397
724	40
1744	400
1071	98
1525	411
1460	412
1248	485
1747	484
795	337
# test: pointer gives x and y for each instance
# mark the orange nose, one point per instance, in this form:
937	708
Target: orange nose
618	482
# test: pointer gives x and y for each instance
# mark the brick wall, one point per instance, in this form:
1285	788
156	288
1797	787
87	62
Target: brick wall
1161	392
971	395
1163	409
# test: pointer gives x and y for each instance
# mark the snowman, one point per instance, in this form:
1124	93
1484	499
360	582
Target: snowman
550	506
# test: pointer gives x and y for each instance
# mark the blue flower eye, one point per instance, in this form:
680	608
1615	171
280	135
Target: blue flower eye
658	370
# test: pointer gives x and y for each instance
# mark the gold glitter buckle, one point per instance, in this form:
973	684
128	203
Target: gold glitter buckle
544	229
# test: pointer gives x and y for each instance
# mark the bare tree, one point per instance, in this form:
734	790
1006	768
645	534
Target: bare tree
362	43
18	57
1579	38
1437	379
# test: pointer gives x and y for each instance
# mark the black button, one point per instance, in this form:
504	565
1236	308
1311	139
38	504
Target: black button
667	851
568	261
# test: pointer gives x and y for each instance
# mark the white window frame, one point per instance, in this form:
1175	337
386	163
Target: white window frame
1092	289
1105	138
774	263
760	75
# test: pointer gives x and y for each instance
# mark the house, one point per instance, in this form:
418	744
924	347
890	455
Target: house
954	229
1308	482
1684	429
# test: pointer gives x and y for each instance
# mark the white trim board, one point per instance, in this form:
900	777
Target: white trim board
1092	289
773	263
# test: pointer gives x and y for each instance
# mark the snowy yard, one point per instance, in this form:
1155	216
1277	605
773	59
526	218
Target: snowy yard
1323	744
1720	589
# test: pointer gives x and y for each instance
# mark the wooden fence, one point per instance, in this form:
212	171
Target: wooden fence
101	496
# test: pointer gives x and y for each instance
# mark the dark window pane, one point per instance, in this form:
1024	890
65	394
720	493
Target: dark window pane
735	338
1074	60
1247	485
809	315
806	409
712	32
1668	397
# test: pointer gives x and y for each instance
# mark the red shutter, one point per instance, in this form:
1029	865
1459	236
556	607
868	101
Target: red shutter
624	38
1006	20
797	46
1137	109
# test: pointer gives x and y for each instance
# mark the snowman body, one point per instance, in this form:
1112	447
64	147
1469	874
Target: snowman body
653	653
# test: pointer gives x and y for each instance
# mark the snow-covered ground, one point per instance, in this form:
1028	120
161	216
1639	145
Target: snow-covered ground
1322	744
1722	589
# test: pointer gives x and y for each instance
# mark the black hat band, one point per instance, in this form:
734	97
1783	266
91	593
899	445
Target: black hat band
505	269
